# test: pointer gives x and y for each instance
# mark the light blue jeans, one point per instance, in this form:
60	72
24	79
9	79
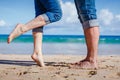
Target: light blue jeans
49	9
87	13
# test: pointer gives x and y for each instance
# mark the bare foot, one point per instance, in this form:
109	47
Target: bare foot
84	64
35	58
19	29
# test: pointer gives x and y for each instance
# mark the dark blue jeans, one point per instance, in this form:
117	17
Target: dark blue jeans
49	9
86	13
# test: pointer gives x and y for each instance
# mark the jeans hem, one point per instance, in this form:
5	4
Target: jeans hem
90	23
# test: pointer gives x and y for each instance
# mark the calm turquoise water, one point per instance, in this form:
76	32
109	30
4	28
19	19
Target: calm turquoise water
62	39
59	44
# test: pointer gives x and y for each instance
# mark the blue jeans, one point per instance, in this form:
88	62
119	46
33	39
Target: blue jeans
86	13
49	9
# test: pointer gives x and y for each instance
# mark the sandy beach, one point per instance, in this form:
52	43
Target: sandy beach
22	67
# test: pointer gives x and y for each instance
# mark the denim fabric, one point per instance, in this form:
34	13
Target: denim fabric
49	9
86	13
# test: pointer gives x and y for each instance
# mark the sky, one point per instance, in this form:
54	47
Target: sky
22	11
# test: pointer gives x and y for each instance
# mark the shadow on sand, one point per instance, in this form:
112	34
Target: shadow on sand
30	63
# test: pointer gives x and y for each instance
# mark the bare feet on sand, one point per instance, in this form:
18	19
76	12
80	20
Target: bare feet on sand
84	64
37	60
19	29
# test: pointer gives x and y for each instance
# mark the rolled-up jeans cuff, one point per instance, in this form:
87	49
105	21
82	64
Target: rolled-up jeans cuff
90	23
46	18
40	29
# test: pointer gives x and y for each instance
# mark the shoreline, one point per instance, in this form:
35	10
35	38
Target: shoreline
22	67
57	48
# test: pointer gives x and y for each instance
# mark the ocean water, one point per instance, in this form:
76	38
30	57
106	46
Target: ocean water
59	44
62	39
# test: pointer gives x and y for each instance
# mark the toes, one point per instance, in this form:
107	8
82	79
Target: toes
75	66
83	65
8	40
76	63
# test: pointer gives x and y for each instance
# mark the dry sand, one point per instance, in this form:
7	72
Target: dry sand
21	67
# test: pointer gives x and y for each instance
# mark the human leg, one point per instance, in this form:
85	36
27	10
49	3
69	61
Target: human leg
37	52
22	28
49	12
92	38
87	15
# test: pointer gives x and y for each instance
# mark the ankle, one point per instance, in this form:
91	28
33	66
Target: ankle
37	51
24	28
91	59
